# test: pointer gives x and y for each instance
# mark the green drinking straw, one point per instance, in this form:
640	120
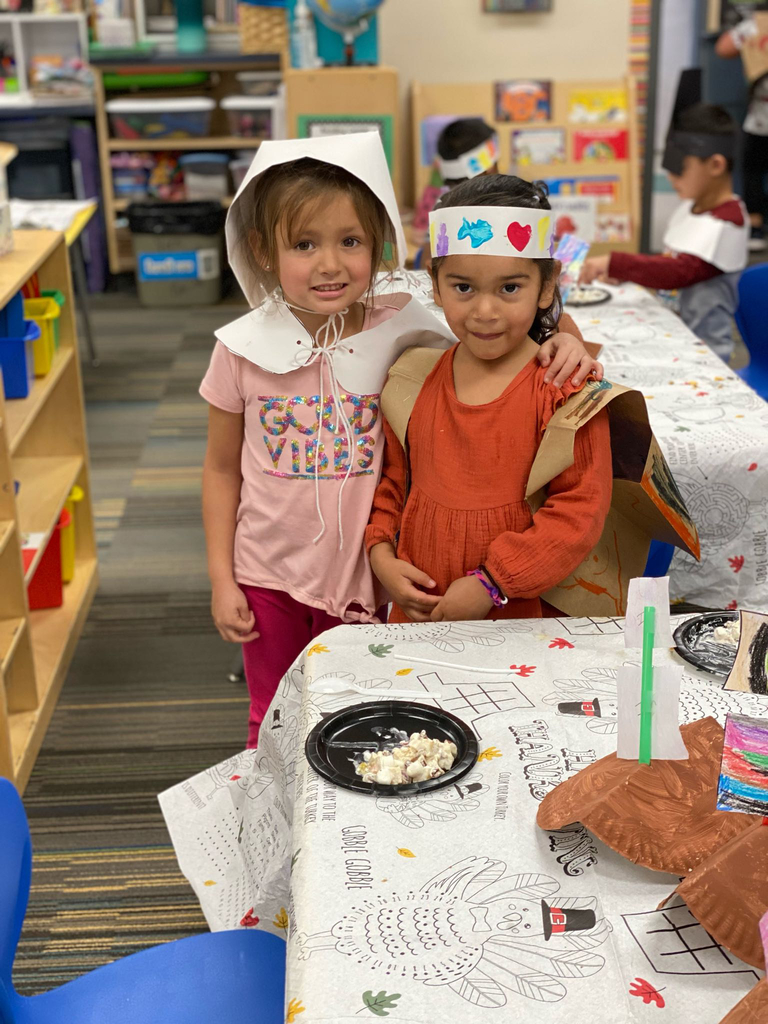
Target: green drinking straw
646	692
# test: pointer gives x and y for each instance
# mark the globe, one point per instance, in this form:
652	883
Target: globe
344	15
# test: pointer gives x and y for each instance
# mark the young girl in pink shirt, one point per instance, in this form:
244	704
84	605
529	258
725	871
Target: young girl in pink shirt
295	435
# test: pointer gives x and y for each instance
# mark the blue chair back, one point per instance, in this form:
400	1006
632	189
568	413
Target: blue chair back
15	876
752	314
659	558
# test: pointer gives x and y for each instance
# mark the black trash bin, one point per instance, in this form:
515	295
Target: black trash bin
178	249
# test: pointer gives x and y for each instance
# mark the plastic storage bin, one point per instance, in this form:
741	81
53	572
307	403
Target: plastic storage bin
58	298
160	119
254	117
45	313
69	535
238	169
45	589
259	83
178	249
206	176
12	317
17	361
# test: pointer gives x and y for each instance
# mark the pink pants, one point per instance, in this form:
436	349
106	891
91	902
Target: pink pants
286	627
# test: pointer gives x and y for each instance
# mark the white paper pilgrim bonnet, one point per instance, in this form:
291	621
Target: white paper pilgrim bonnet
362	154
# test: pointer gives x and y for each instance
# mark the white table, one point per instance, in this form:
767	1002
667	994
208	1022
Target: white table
427	900
712	428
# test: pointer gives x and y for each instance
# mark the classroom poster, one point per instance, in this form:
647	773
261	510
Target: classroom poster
597	106
522	101
537	146
574	215
601	144
314	126
604	187
613	227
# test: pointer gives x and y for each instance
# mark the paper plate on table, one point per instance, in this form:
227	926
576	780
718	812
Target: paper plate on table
588	296
338	742
694	641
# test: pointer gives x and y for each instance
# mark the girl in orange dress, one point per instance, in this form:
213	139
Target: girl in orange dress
451	535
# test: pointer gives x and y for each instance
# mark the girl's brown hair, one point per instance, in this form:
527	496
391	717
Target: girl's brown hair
508	190
285	198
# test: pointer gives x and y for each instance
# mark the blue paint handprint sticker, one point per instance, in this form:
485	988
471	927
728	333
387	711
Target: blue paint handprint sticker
478	233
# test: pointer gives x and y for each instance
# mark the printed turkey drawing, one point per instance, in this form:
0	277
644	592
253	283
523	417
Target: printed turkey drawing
478	931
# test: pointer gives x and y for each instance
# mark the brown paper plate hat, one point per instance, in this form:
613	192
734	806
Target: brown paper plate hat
662	815
753	1008
728	892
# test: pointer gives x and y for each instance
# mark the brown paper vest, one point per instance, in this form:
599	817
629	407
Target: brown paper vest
754	54
646	503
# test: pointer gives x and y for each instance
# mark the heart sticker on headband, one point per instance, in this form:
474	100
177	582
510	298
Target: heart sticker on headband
518	235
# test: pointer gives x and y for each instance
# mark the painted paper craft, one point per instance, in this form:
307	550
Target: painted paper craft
648	590
613	227
743	783
666	741
523	101
750	669
604	187
597	106
575	215
571	252
601	144
538	146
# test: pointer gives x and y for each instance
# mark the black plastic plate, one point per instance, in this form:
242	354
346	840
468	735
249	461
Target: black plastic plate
338	742
694	642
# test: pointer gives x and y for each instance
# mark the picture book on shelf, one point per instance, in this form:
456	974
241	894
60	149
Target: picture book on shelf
605	187
597	106
601	144
538	146
613	227
523	101
574	215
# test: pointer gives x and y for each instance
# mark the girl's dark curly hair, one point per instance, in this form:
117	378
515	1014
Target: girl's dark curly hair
508	190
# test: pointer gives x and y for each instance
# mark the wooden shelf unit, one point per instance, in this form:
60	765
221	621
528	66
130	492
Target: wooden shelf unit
222	83
43	450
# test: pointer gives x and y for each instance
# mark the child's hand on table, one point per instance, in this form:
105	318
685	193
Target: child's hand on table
465	599
563	354
595	269
400	580
231	614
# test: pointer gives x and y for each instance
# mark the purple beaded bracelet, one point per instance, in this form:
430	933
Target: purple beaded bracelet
494	593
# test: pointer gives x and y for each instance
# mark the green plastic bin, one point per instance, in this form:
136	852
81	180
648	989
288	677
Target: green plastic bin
58	298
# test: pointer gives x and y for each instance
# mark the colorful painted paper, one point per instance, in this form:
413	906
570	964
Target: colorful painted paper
491	231
538	146
666	742
743	784
571	252
597	106
574	215
750	668
605	187
523	101
601	144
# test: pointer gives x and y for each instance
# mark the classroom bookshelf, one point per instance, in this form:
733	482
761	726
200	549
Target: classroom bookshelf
222	69
478	99
43	454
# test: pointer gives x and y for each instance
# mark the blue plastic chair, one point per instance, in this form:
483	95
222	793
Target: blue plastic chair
659	558
752	321
215	978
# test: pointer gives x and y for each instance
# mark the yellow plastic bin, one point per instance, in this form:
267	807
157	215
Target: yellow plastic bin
68	536
59	298
45	313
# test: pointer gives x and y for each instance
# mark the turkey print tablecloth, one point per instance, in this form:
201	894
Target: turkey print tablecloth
712	428
453	906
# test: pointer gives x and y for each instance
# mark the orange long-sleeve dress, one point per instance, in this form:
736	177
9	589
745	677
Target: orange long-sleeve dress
469	469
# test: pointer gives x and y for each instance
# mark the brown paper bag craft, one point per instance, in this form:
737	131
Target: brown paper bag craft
646	502
660	815
753	1008
754	53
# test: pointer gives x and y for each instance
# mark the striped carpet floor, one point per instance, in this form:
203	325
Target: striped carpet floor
147	701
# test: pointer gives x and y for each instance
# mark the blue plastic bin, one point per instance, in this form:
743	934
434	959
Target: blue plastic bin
17	361
12	317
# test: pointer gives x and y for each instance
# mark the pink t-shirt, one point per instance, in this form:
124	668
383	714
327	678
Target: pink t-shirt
278	518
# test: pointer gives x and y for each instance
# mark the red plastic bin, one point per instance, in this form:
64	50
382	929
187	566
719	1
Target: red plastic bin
45	588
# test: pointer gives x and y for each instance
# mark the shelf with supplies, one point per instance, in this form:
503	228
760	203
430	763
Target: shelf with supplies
221	82
43	455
